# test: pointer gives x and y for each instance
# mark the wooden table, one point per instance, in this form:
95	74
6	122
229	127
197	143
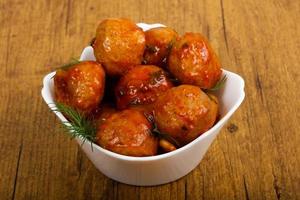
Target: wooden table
256	156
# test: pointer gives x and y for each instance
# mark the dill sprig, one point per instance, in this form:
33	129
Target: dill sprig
156	77
78	125
152	49
218	85
66	66
168	137
158	133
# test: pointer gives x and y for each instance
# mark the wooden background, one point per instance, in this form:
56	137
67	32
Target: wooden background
256	156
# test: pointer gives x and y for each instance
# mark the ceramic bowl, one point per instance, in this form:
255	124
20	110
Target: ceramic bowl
164	168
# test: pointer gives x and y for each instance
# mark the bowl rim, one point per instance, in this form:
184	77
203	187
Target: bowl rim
219	124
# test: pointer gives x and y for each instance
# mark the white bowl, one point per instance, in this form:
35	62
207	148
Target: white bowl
160	169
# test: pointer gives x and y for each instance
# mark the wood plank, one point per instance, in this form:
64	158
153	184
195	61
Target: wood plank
257	154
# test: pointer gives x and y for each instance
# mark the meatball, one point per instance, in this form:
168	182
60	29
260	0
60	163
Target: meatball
127	132
119	45
81	86
193	61
158	45
141	86
185	112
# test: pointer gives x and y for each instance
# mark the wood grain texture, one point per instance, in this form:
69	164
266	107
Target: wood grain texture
256	156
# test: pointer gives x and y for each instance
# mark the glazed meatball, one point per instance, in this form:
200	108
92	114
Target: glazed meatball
141	86
193	61
158	45
129	133
119	45
185	112
81	86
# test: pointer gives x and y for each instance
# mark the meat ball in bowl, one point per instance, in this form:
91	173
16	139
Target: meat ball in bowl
158	45
141	86
80	86
127	132
119	44
193	61
185	112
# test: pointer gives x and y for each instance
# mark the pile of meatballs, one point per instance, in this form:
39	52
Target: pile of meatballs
147	90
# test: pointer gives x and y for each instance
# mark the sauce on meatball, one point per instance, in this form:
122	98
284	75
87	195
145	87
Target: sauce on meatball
119	45
185	112
193	61
159	42
127	132
141	86
81	86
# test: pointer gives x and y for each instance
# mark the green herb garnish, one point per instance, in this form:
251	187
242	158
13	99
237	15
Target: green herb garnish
152	49
211	98
78	125
156	77
219	84
135	102
73	62
170	45
158	133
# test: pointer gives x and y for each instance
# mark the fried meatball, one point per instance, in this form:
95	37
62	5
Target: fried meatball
141	86
158	45
129	133
185	112
81	86
119	45
193	61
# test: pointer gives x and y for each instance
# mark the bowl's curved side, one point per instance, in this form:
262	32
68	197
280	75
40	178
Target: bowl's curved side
151	172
